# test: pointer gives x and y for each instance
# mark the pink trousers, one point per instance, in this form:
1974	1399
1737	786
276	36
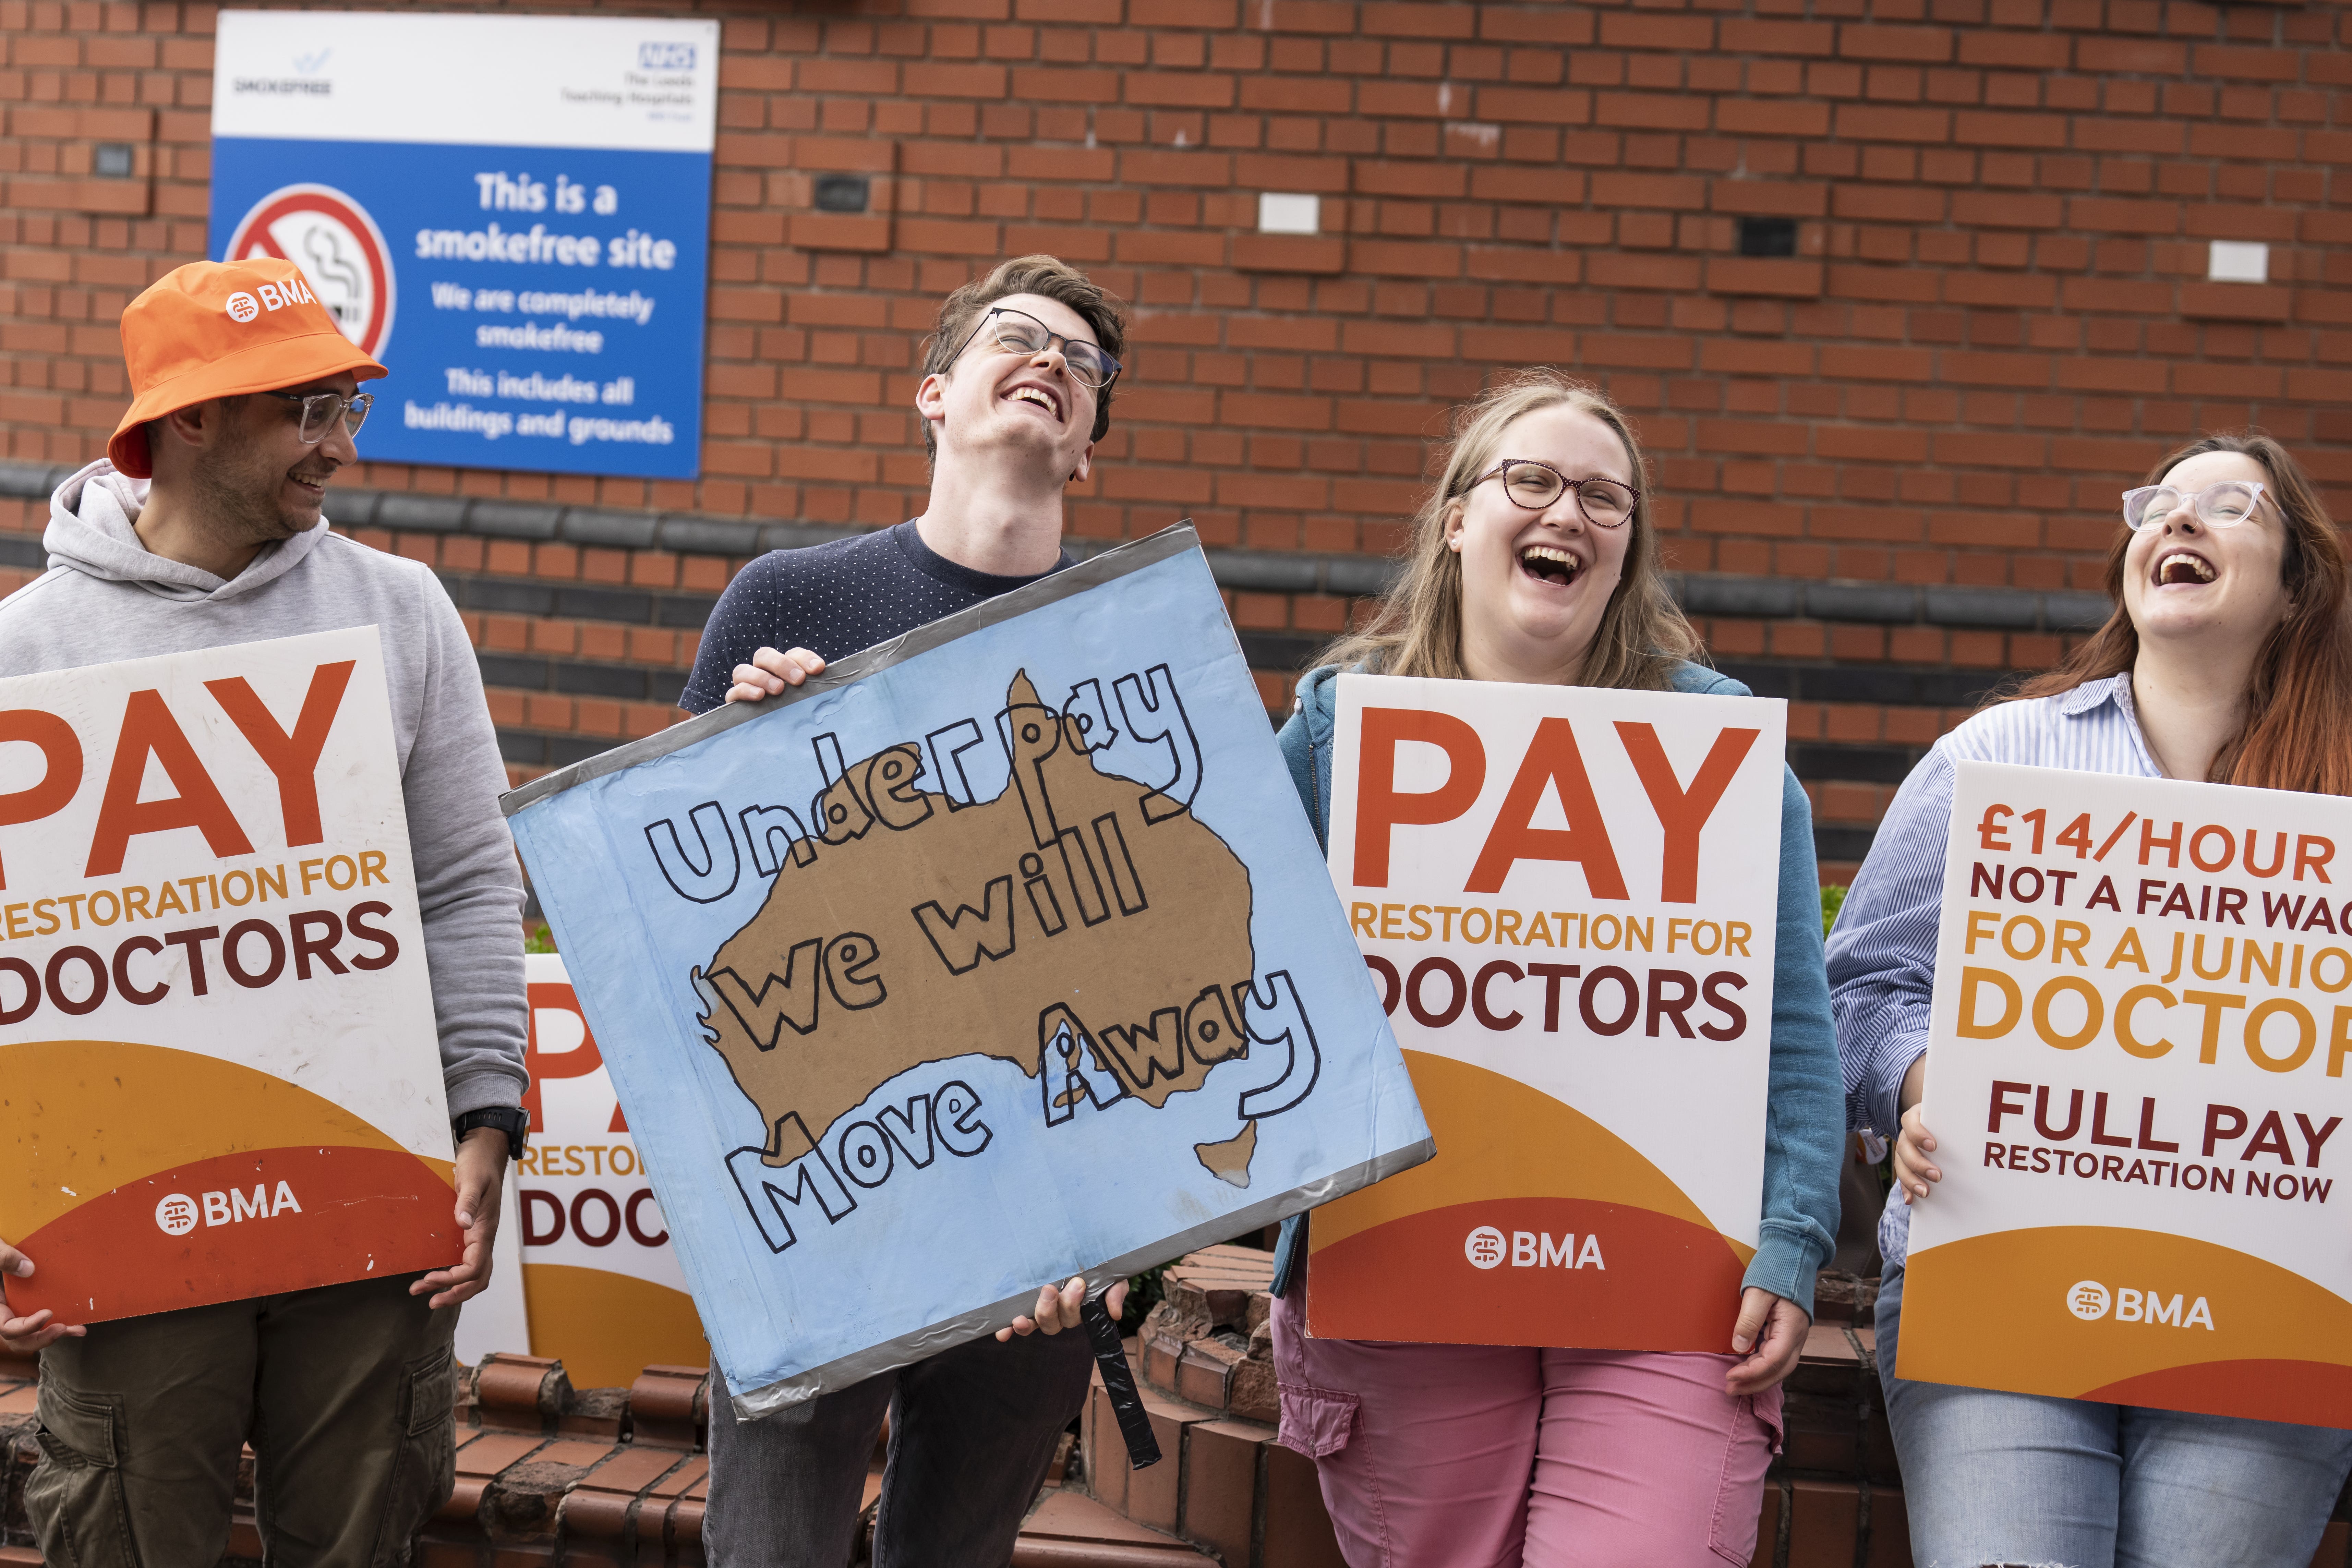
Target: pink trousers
1485	1456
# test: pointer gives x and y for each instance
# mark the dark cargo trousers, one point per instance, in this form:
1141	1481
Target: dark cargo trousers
344	1392
972	1432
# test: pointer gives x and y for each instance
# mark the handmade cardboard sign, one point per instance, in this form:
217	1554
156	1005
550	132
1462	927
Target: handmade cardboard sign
219	1071
1568	898
1002	952
601	1283
2142	1014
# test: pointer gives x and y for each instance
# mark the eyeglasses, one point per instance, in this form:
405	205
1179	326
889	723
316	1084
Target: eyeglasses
1025	334
2224	505
1605	503
322	409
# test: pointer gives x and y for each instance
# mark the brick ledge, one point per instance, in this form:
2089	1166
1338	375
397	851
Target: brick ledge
1256	571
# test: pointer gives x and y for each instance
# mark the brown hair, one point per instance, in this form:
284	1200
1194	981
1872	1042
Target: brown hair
2297	733
1417	630
1048	276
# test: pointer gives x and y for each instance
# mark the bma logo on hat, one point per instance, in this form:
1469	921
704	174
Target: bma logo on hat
243	307
339	248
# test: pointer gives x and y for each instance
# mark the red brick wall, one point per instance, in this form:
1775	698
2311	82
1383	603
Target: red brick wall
1996	317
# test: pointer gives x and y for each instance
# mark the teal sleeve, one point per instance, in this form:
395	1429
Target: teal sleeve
1298	756
1805	1117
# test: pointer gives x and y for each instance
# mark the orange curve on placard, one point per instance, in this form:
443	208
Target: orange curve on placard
1991	1312
2305	1392
258	1222
606	1328
1626	1278
80	1118
1498	1138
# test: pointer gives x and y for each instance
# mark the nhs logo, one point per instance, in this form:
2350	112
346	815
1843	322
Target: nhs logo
666	57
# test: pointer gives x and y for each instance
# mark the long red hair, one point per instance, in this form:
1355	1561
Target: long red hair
2298	728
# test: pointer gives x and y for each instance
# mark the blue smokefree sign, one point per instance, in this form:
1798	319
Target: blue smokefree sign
529	261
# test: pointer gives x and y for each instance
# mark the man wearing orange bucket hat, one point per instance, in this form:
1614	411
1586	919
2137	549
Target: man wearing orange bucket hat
202	527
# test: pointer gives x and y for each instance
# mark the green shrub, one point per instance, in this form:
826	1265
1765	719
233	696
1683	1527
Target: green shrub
1832	900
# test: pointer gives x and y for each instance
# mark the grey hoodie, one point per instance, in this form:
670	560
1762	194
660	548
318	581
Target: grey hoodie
104	598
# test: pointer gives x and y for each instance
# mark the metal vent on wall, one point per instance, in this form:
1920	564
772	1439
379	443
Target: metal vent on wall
842	193
1767	236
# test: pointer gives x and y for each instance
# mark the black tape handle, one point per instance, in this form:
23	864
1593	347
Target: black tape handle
1118	1382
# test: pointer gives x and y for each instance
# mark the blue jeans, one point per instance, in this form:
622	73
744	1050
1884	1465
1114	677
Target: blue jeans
1993	1477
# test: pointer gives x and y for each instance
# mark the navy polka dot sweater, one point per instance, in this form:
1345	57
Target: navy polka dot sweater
834	600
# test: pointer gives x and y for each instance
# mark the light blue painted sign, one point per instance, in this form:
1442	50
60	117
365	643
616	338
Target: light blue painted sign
1000	953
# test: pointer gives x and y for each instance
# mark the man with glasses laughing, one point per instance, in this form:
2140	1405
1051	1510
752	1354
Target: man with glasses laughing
1015	392
202	528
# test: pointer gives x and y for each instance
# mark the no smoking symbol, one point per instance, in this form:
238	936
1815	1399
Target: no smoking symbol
335	242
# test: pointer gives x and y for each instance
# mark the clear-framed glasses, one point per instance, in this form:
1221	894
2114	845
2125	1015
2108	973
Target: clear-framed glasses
1605	503
1019	334
322	409
2224	505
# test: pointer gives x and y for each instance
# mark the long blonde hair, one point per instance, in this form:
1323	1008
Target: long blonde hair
1417	630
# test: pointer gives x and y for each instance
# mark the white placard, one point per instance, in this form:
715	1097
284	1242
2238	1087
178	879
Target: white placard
2136	1076
1569	897
640	83
220	1074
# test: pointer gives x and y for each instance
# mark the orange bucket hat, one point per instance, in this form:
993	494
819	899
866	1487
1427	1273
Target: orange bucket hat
218	329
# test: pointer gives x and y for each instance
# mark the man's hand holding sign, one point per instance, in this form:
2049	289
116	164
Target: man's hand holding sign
481	1172
29	1334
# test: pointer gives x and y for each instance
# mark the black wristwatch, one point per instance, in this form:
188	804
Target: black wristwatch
510	1119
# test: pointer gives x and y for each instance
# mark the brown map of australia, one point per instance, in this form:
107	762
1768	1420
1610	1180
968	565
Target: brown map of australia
1081	926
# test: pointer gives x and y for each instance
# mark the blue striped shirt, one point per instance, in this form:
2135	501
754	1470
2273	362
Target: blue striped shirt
1881	956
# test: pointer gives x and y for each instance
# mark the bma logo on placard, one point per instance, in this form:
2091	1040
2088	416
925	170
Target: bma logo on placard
176	1214
341	251
1487	1247
2089	1300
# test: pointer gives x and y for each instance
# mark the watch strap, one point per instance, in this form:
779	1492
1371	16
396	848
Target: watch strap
510	1119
